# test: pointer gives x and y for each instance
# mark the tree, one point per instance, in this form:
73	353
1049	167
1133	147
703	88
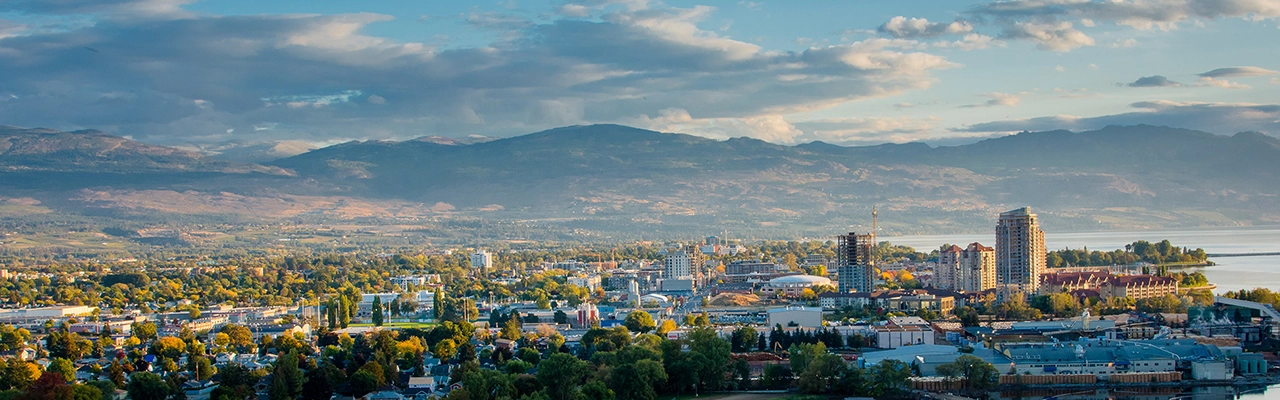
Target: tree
239	336
743	338
377	311
363	382
169	347
18	374
968	316
976	373
666	327
710	356
639	321
147	386
321	382
86	392
637	380
822	374
560	374
106	388
286	380
560	317
889	376
63	367
596	390
144	331
445	349
201	367
511	329
50	386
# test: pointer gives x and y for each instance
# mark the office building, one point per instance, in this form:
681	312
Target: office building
855	268
1020	252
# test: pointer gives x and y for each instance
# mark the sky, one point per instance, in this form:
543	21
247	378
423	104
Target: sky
843	72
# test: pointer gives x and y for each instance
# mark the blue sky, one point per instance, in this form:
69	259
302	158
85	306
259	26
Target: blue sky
853	72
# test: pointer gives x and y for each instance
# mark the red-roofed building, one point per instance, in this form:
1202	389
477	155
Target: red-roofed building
1139	286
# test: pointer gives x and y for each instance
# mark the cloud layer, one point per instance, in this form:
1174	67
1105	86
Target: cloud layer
318	77
1220	118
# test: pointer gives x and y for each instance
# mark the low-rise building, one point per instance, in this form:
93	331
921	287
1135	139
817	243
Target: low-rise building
836	300
795	316
794	285
1106	357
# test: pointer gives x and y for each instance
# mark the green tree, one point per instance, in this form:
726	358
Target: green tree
201	367
822	374
144	331
639	321
560	374
889	376
976	373
804	353
363	382
377	311
597	390
286	381
445	349
63	367
86	392
743	339
511	329
637	380
147	386
105	387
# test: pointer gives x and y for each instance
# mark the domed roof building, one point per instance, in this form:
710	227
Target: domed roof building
793	285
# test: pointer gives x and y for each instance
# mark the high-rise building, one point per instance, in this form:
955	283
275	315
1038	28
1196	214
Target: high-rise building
971	269
482	260
855	270
1020	251
681	263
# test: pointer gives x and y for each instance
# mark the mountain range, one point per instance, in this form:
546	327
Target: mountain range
621	182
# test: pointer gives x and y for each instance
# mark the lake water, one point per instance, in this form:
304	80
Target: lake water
1230	273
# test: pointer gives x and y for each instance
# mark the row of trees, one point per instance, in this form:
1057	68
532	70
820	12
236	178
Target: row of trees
1162	252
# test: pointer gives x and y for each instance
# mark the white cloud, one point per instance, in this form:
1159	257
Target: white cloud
1052	36
869	130
1238	72
1060	69
1220	118
999	99
902	27
1126	43
1223	83
315	75
1047	22
574	10
1146	14
972	41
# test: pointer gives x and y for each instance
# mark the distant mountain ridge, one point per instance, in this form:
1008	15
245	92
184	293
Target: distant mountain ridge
47	150
619	179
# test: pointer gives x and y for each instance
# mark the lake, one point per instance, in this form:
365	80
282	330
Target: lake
1230	273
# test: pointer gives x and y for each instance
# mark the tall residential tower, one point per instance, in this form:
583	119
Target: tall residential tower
855	268
1020	251
971	269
